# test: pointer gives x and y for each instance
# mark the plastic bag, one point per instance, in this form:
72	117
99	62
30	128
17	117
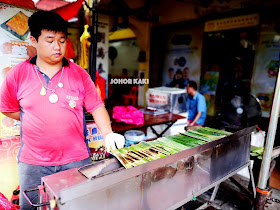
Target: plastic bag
5	204
128	114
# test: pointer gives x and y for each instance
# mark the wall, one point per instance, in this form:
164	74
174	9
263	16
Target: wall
128	51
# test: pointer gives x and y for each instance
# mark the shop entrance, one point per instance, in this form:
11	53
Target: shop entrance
230	53
123	68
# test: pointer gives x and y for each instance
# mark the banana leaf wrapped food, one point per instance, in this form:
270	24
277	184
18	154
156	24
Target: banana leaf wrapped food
144	152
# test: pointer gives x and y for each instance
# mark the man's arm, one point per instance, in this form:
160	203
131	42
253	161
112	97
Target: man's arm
13	115
196	118
102	120
201	106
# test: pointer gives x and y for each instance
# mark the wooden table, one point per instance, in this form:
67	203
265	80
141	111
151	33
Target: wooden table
149	121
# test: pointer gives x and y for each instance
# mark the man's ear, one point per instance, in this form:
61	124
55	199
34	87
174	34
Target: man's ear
33	41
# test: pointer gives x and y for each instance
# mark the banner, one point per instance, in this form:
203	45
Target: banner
266	70
183	57
15	47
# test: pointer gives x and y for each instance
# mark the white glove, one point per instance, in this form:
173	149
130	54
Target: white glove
114	138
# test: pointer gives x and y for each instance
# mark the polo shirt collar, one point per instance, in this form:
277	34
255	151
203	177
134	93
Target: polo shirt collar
195	95
65	62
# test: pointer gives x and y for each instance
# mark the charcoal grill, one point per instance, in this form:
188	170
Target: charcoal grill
165	183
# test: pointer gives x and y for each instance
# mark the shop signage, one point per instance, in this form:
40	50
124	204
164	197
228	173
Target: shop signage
232	23
158	98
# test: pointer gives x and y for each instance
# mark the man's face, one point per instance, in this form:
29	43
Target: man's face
189	89
51	46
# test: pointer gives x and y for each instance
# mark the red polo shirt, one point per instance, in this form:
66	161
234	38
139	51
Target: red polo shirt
51	133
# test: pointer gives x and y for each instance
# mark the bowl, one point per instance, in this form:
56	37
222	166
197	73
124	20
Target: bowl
133	137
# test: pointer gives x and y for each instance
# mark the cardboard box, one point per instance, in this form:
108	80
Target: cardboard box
95	141
169	99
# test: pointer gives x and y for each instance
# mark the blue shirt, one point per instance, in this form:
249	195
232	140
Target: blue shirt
196	104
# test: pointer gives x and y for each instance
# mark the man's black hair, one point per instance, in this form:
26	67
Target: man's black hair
46	20
192	84
178	71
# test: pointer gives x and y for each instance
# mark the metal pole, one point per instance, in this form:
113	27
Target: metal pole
262	190
95	38
270	136
93	46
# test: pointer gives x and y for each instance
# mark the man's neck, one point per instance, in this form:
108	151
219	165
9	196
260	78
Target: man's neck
193	93
49	69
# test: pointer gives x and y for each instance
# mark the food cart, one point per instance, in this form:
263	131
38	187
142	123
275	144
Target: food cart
165	183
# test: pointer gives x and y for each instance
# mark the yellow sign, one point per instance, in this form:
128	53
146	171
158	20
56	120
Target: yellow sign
8	126
232	23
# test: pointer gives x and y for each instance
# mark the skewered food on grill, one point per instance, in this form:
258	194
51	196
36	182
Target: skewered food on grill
148	151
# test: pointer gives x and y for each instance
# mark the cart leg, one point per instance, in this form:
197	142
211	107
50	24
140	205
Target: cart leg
211	202
41	200
252	180
161	134
214	192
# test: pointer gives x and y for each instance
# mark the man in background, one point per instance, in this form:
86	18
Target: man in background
196	105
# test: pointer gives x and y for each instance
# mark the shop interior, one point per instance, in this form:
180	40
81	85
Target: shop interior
231	53
123	55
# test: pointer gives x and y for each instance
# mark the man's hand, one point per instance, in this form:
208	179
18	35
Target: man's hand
114	138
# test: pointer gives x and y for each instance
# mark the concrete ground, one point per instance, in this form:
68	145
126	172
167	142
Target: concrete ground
230	197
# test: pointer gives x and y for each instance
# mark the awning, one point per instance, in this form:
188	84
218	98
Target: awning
65	9
25	3
50	4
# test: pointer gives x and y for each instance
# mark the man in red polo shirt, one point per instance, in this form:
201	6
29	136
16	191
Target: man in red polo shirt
48	93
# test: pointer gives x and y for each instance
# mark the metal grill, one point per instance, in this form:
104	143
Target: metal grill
166	183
